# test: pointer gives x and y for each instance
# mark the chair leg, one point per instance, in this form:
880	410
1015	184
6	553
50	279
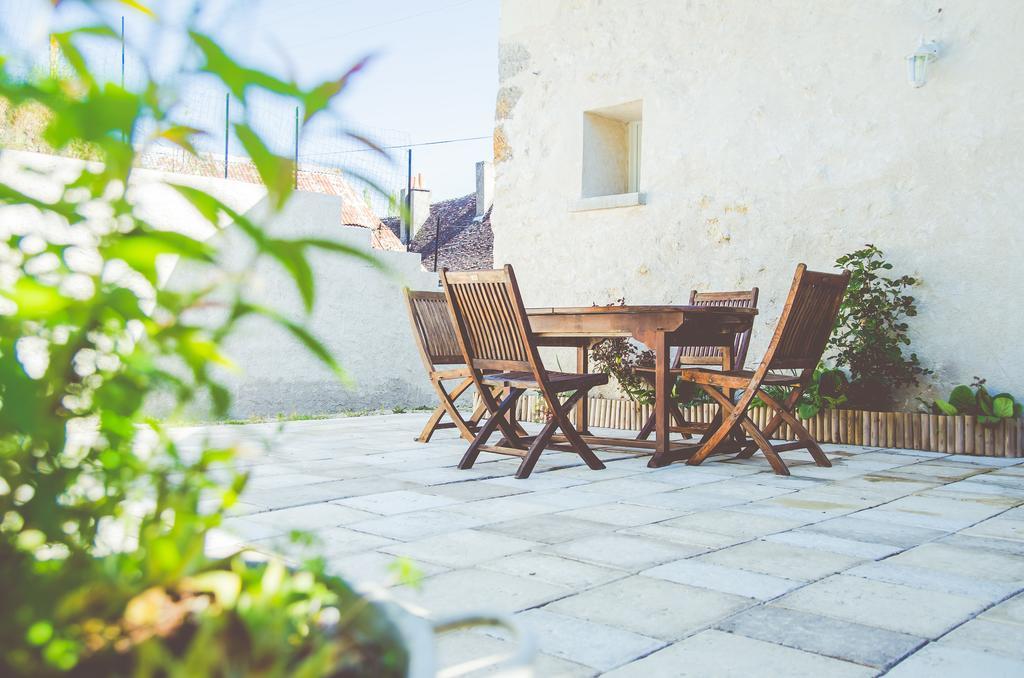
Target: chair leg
573	436
801	432
760	440
559	420
493	422
448	407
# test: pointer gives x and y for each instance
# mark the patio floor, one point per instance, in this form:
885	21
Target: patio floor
911	562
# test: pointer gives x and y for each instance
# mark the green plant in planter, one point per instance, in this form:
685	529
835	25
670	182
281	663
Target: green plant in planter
828	390
975	400
101	533
871	331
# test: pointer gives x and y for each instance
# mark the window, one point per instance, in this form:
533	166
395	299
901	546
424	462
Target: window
612	140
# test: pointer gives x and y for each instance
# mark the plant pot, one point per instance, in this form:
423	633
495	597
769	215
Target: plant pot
419	632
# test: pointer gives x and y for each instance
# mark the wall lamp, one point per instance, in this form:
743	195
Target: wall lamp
917	63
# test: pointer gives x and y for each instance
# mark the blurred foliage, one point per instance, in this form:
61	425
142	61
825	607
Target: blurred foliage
101	533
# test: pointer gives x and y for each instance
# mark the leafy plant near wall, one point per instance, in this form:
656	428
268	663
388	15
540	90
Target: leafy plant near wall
101	533
871	331
827	391
975	400
622	359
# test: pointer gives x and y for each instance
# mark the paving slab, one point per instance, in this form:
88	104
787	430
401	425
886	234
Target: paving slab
464	647
416	525
623	551
727	655
781	560
652	607
553	569
725	579
955	662
824	542
478	589
895	607
934	580
857	643
733	523
461	548
964	562
622	514
547	528
599	646
860	527
985	635
392	503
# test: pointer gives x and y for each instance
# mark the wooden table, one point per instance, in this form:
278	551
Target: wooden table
659	328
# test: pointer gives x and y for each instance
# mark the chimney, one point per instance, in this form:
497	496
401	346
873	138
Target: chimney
484	187
419	209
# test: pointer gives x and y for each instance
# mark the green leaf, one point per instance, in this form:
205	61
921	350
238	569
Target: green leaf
946	408
807	411
320	96
1002	406
962	398
236	77
277	172
984	401
141	249
181	136
36	300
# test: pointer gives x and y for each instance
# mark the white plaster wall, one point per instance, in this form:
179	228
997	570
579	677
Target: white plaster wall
774	133
359	313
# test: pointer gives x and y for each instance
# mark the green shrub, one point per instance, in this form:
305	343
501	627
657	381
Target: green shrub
871	331
101	533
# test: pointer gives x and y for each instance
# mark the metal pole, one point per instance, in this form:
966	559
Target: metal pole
407	221
123	137
227	128
296	147
122	52
437	238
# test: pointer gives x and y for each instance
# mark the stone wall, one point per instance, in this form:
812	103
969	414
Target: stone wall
774	133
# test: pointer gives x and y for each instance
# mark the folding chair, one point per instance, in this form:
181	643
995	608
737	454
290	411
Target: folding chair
704	355
438	345
800	338
494	334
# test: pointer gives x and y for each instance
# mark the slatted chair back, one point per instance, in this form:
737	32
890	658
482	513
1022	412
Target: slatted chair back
490	318
712	355
432	324
807	319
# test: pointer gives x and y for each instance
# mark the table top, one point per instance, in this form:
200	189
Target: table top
641	309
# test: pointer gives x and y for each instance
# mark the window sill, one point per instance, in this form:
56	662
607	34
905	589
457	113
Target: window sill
603	202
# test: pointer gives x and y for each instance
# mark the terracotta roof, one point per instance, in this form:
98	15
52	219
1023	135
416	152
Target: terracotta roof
354	210
464	245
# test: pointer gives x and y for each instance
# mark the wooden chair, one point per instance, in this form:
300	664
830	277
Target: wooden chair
438	345
800	337
494	334
704	355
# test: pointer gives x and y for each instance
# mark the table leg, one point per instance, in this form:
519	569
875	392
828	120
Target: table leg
662	386
583	406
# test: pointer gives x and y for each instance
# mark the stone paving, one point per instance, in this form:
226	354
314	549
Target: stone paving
910	563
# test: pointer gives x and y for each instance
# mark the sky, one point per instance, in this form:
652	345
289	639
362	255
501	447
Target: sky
432	76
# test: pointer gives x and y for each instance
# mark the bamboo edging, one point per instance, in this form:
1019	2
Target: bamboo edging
907	430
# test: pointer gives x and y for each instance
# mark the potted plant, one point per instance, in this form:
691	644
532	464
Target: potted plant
103	516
